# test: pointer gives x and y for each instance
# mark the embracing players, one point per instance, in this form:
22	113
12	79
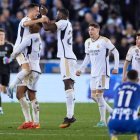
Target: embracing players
23	32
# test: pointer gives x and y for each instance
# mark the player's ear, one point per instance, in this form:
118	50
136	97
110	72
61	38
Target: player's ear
137	80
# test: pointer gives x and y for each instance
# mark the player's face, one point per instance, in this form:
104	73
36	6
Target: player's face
93	32
35	12
2	37
138	41
59	16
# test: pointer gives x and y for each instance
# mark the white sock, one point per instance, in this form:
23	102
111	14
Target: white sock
35	111
70	103
20	76
102	108
108	108
25	109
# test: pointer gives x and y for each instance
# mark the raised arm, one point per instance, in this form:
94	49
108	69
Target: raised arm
43	19
50	26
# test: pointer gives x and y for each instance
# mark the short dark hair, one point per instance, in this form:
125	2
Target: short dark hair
32	5
64	11
2	30
138	34
132	75
95	25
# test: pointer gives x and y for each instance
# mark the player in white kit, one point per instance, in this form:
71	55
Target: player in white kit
133	57
67	60
23	33
32	47
97	49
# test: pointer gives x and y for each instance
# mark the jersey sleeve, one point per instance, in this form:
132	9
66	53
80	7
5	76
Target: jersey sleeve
23	20
129	55
86	47
61	24
109	45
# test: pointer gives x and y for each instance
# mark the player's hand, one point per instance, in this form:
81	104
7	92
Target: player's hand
12	56
115	71
78	73
6	60
43	10
124	79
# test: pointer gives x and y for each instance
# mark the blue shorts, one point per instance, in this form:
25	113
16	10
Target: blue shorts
116	126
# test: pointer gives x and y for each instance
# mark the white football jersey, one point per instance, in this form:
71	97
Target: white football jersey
22	31
133	56
65	39
98	51
32	46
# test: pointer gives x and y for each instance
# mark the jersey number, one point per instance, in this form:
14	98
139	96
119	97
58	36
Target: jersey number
128	97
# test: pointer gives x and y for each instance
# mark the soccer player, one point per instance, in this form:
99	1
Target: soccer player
33	46
97	49
67	60
133	57
6	49
124	118
23	32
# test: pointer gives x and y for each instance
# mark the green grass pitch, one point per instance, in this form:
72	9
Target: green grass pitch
51	115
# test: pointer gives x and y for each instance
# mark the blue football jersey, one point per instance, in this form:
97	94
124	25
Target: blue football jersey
126	101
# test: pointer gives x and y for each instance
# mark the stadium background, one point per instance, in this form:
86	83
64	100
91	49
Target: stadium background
119	21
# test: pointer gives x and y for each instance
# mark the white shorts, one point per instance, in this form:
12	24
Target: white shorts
67	68
100	82
21	59
31	81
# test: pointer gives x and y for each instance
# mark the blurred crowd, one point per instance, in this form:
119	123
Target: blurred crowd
119	21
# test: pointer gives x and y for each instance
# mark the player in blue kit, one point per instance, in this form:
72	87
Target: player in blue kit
124	118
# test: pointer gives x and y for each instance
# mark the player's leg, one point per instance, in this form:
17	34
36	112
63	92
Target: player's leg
105	82
4	81
69	91
67	68
21	90
25	70
32	84
24	63
97	95
35	108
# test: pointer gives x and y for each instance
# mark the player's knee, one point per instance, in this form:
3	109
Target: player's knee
26	71
93	95
26	66
69	84
31	95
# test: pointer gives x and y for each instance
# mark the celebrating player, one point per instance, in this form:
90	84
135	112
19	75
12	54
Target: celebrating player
97	49
6	49
124	118
133	56
33	46
23	32
67	60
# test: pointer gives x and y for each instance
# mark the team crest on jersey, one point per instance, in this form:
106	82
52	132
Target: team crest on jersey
98	46
137	52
